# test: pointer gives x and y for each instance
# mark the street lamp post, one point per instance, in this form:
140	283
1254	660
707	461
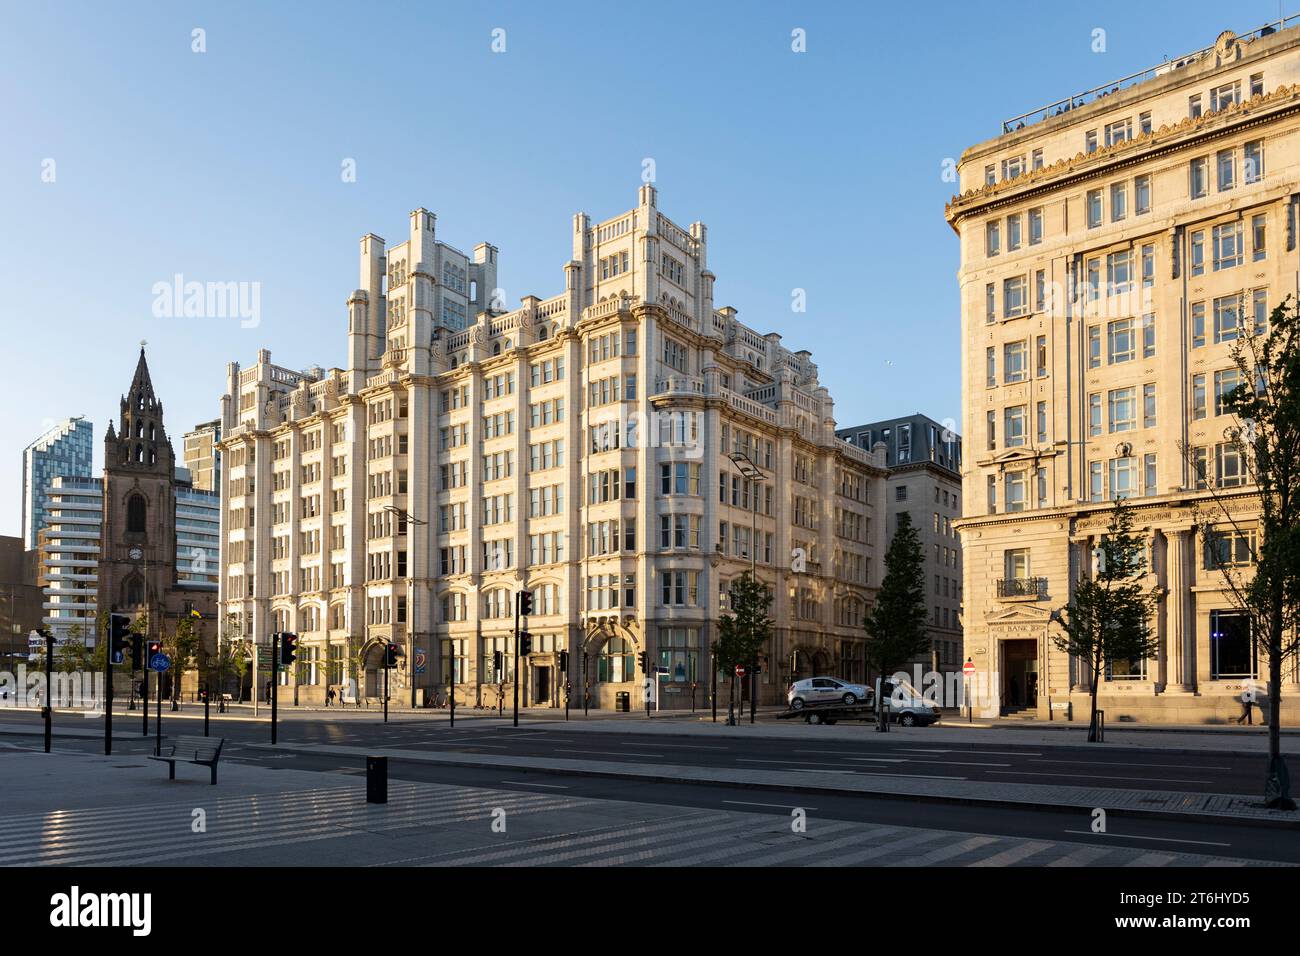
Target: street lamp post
754	474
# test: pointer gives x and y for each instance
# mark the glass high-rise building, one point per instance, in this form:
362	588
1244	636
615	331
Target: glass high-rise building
66	450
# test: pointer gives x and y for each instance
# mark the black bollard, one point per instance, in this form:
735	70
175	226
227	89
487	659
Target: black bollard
376	780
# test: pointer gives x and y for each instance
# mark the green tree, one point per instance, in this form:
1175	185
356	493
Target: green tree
1266	438
743	632
1108	618
895	623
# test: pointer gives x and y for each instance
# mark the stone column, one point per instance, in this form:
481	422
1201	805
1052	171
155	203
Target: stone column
1180	631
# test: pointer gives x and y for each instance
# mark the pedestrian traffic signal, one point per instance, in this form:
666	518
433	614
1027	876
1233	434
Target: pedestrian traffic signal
644	660
119	632
390	655
496	664
525	643
564	662
288	648
525	603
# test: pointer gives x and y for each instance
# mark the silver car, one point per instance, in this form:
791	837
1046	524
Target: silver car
826	690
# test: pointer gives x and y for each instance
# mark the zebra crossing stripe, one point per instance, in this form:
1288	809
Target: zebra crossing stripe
908	840
1081	855
939	854
1014	854
736	853
1152	859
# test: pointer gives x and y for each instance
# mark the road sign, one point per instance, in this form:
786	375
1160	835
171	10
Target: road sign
660	669
159	662
740	670
421	660
968	668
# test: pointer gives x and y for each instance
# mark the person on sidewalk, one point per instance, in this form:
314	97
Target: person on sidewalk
329	697
1247	704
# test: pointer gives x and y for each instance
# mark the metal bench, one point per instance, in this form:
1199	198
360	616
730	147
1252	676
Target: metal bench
204	751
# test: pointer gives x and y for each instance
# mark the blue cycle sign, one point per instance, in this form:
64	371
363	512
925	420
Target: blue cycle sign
159	662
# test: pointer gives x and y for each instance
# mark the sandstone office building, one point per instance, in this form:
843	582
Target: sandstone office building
623	450
1113	246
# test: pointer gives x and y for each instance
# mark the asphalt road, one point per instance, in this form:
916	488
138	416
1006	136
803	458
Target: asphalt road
906	753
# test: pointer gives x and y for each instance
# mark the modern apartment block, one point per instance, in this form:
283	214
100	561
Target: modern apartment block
924	461
1113	247
69	556
201	458
624	450
66	449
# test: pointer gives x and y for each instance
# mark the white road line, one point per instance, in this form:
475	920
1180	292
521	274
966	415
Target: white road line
1121	763
779	806
607	753
549	786
958	763
1127	836
1098	776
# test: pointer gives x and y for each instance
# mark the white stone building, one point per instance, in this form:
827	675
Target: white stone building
579	446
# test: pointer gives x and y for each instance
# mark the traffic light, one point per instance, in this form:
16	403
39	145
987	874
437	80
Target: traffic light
155	647
525	603
496	663
137	652
564	662
119	634
390	655
288	648
525	643
644	659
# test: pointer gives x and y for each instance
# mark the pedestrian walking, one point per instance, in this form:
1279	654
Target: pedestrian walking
1247	704
329	697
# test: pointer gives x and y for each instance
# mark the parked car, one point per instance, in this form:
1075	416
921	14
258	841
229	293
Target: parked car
907	706
826	690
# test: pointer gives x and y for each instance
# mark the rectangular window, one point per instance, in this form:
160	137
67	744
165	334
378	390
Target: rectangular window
1199	175
1148	266
1014	426
1119	272
1094	346
1198	324
1094	208
1252	167
990	303
1198	252
1015	299
1225	162
1042	424
991	428
990	366
1194	106
1040	356
993	238
1227	318
1148	406
1234	652
1259	300
1123	478
1122	404
1013	363
1227	246
1096	490
1036	225
1118	201
1013	233
1141	195
1094	414
1259	237
1149	474
1148	335
1225	381
1015	493
1121	344
1198	397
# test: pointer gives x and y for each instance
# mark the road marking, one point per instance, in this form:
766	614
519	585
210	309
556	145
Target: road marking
779	806
1126	836
549	786
822	763
959	763
607	753
1096	776
1121	763
687	746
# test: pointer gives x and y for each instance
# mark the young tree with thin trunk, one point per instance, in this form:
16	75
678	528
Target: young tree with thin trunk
1108	619
1265	440
895	623
743	632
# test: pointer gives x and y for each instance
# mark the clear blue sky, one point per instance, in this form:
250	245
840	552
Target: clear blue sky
818	170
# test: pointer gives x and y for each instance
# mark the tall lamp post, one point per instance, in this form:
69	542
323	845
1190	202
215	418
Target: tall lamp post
405	516
754	474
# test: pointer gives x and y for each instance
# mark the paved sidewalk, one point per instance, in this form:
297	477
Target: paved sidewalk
1225	807
73	809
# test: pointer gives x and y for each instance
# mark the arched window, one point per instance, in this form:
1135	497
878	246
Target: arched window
133	591
139	453
139	429
152	436
615	663
136	513
541	333
496	349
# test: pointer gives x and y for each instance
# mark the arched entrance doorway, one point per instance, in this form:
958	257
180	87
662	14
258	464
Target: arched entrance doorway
372	670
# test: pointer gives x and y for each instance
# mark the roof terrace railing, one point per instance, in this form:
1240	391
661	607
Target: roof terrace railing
1106	89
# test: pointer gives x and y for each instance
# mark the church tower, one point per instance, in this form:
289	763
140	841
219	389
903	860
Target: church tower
137	565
